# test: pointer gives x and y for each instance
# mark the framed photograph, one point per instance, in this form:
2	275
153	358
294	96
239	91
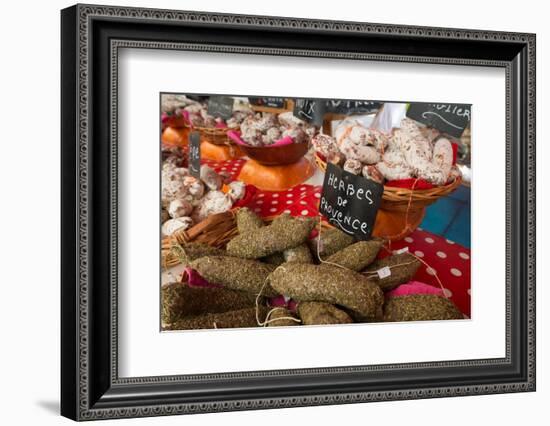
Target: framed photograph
263	212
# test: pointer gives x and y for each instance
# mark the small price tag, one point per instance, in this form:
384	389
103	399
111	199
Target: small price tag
402	250
195	155
384	272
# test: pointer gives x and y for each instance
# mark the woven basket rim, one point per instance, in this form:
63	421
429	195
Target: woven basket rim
401	194
210	129
214	133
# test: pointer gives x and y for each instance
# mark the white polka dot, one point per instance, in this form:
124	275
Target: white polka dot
450	242
274	202
469	291
456	272
464	256
441	255
448	293
303	203
257	209
289	195
303	189
287	211
261	195
409	239
419	228
431	271
275	195
223	168
289	202
304	212
419	253
259	202
272	209
317	195
429	240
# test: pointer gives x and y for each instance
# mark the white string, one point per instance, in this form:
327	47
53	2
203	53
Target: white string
267	319
318	249
376	272
389	267
426	264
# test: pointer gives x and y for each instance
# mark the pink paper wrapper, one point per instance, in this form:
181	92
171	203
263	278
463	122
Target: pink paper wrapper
194	279
236	137
283	302
414	287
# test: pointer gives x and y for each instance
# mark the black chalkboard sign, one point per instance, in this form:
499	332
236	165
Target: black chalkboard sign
194	162
310	110
350	202
448	118
220	106
350	107
268	102
313	110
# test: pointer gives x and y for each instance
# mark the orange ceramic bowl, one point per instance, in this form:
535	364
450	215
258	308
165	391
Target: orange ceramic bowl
276	155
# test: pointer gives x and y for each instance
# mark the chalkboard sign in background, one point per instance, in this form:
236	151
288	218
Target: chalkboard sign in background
194	162
268	102
448	118
350	107
220	106
313	110
309	110
350	202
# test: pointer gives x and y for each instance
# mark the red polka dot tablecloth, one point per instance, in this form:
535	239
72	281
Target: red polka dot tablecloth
231	167
302	200
444	259
447	260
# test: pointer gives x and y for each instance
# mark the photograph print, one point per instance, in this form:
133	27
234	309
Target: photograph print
288	212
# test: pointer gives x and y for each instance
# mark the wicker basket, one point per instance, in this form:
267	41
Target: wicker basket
214	135
402	209
402	199
216	230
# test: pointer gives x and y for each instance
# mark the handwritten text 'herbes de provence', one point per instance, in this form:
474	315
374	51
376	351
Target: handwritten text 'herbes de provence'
346	192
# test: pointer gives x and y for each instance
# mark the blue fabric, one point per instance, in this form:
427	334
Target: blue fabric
450	217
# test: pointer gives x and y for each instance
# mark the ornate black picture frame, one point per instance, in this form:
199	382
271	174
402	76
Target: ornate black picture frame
91	37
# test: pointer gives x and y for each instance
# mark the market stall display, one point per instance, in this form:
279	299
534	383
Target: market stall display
417	165
249	230
276	145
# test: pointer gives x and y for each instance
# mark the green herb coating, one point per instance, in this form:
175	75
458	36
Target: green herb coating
180	301
247	220
231	319
235	273
274	259
356	256
187	252
299	254
332	240
282	317
282	219
420	307
325	283
321	313
277	237
403	267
